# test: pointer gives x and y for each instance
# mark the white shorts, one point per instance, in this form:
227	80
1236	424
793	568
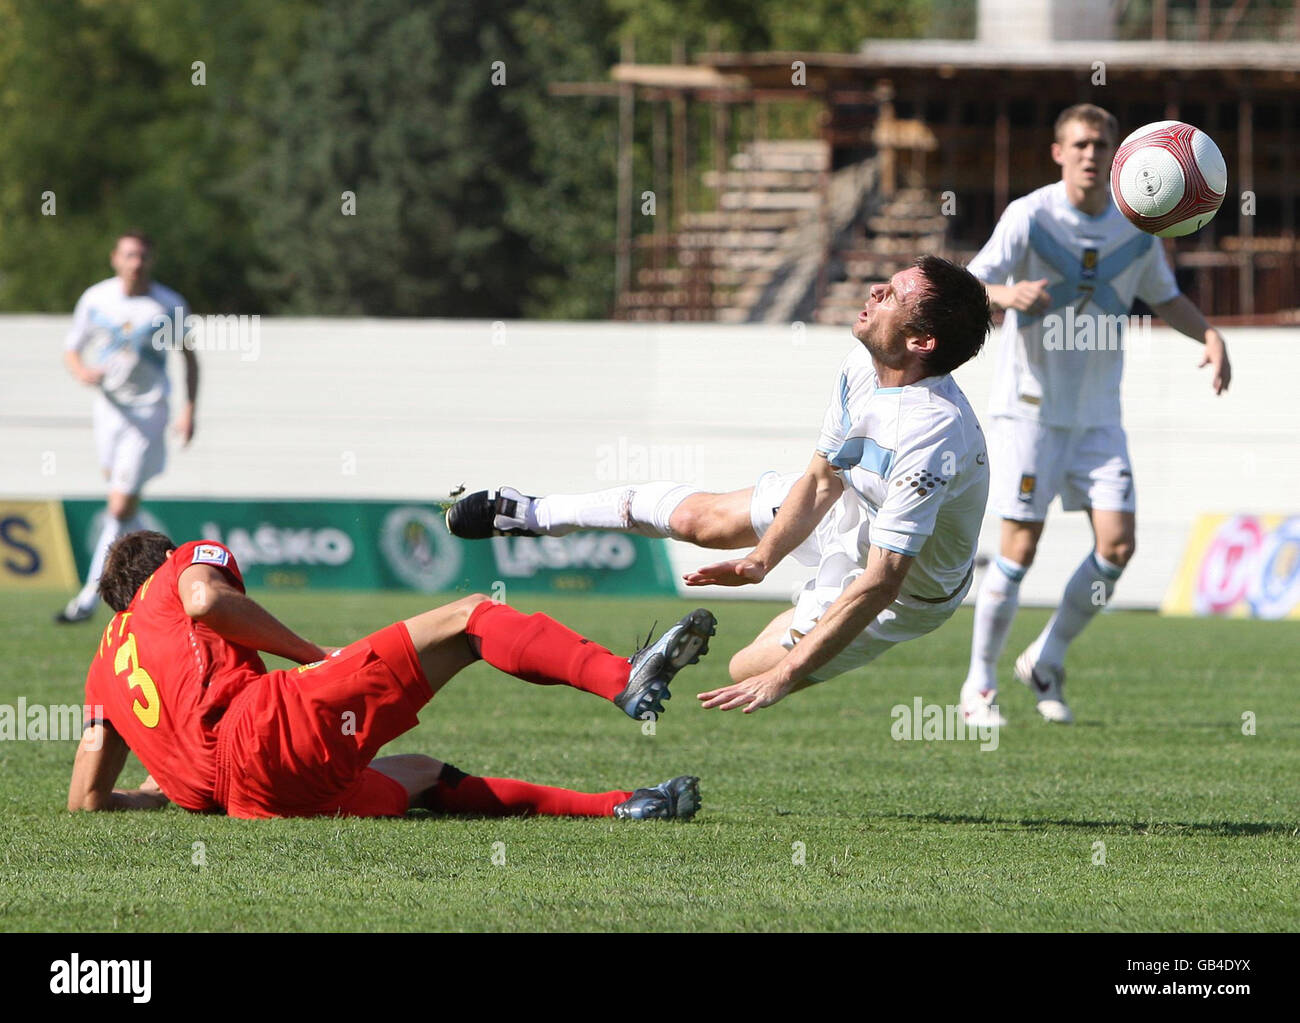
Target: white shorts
1031	463
770	490
895	624
130	443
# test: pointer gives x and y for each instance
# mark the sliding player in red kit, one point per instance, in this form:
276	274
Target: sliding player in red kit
178	679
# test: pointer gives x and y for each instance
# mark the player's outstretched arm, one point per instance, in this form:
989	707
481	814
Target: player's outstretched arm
100	758
808	501
208	596
874	590
1181	314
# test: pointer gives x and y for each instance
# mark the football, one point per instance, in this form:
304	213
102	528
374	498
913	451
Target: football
1168	178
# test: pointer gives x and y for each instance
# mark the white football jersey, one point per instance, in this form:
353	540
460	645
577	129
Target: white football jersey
916	479
1063	367
116	332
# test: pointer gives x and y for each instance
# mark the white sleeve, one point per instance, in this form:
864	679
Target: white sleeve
1157	284
918	485
835	424
80	328
997	262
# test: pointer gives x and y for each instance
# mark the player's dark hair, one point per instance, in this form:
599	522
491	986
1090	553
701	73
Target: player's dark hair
131	560
1091	115
953	308
139	236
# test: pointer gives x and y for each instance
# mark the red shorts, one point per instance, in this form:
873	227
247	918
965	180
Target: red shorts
297	743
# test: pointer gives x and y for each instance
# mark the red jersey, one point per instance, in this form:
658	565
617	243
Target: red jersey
165	680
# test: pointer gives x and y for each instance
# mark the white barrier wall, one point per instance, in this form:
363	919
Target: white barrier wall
410	409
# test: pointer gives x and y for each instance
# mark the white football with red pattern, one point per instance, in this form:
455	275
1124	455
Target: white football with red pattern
1168	179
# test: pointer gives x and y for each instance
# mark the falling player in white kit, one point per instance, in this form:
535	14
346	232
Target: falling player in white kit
889	509
1064	260
113	347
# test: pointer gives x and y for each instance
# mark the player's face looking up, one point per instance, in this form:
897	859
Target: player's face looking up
882	324
132	260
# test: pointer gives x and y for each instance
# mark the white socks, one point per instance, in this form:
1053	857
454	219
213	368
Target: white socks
995	607
88	598
642	508
1087	592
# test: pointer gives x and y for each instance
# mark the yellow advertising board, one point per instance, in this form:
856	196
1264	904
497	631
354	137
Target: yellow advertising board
1239	566
34	547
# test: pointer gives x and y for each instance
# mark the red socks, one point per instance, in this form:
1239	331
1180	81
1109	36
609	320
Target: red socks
536	649
456	792
539	649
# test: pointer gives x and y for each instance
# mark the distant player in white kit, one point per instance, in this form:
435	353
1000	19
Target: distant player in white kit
112	348
888	510
1056	426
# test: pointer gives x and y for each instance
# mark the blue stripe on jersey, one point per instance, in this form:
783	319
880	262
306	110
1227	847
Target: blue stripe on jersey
139	340
1070	266
897	550
1111	266
845	422
865	452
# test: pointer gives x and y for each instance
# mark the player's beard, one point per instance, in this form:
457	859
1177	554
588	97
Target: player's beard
889	351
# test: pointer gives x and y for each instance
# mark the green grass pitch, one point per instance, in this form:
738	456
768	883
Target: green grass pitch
1198	820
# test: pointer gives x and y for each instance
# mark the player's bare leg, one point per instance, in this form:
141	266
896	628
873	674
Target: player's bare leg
717	521
413	771
1115	533
661	509
763	654
1042	665
996	603
119	520
440	640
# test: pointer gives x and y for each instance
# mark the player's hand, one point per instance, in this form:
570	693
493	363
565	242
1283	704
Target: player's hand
150	787
738	572
1030	296
90	376
184	425
1216	355
753	693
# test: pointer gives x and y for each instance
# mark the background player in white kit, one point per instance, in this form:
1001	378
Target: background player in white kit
889	509
112	348
1056	426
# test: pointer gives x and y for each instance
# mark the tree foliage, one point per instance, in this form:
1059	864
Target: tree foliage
471	198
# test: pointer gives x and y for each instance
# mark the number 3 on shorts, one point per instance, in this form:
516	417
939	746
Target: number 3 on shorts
127	657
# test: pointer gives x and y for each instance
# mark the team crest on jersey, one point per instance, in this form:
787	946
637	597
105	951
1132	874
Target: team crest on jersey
210	554
1087	277
1028	482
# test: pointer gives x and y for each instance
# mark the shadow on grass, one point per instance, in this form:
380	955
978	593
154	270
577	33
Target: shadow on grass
1230	829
